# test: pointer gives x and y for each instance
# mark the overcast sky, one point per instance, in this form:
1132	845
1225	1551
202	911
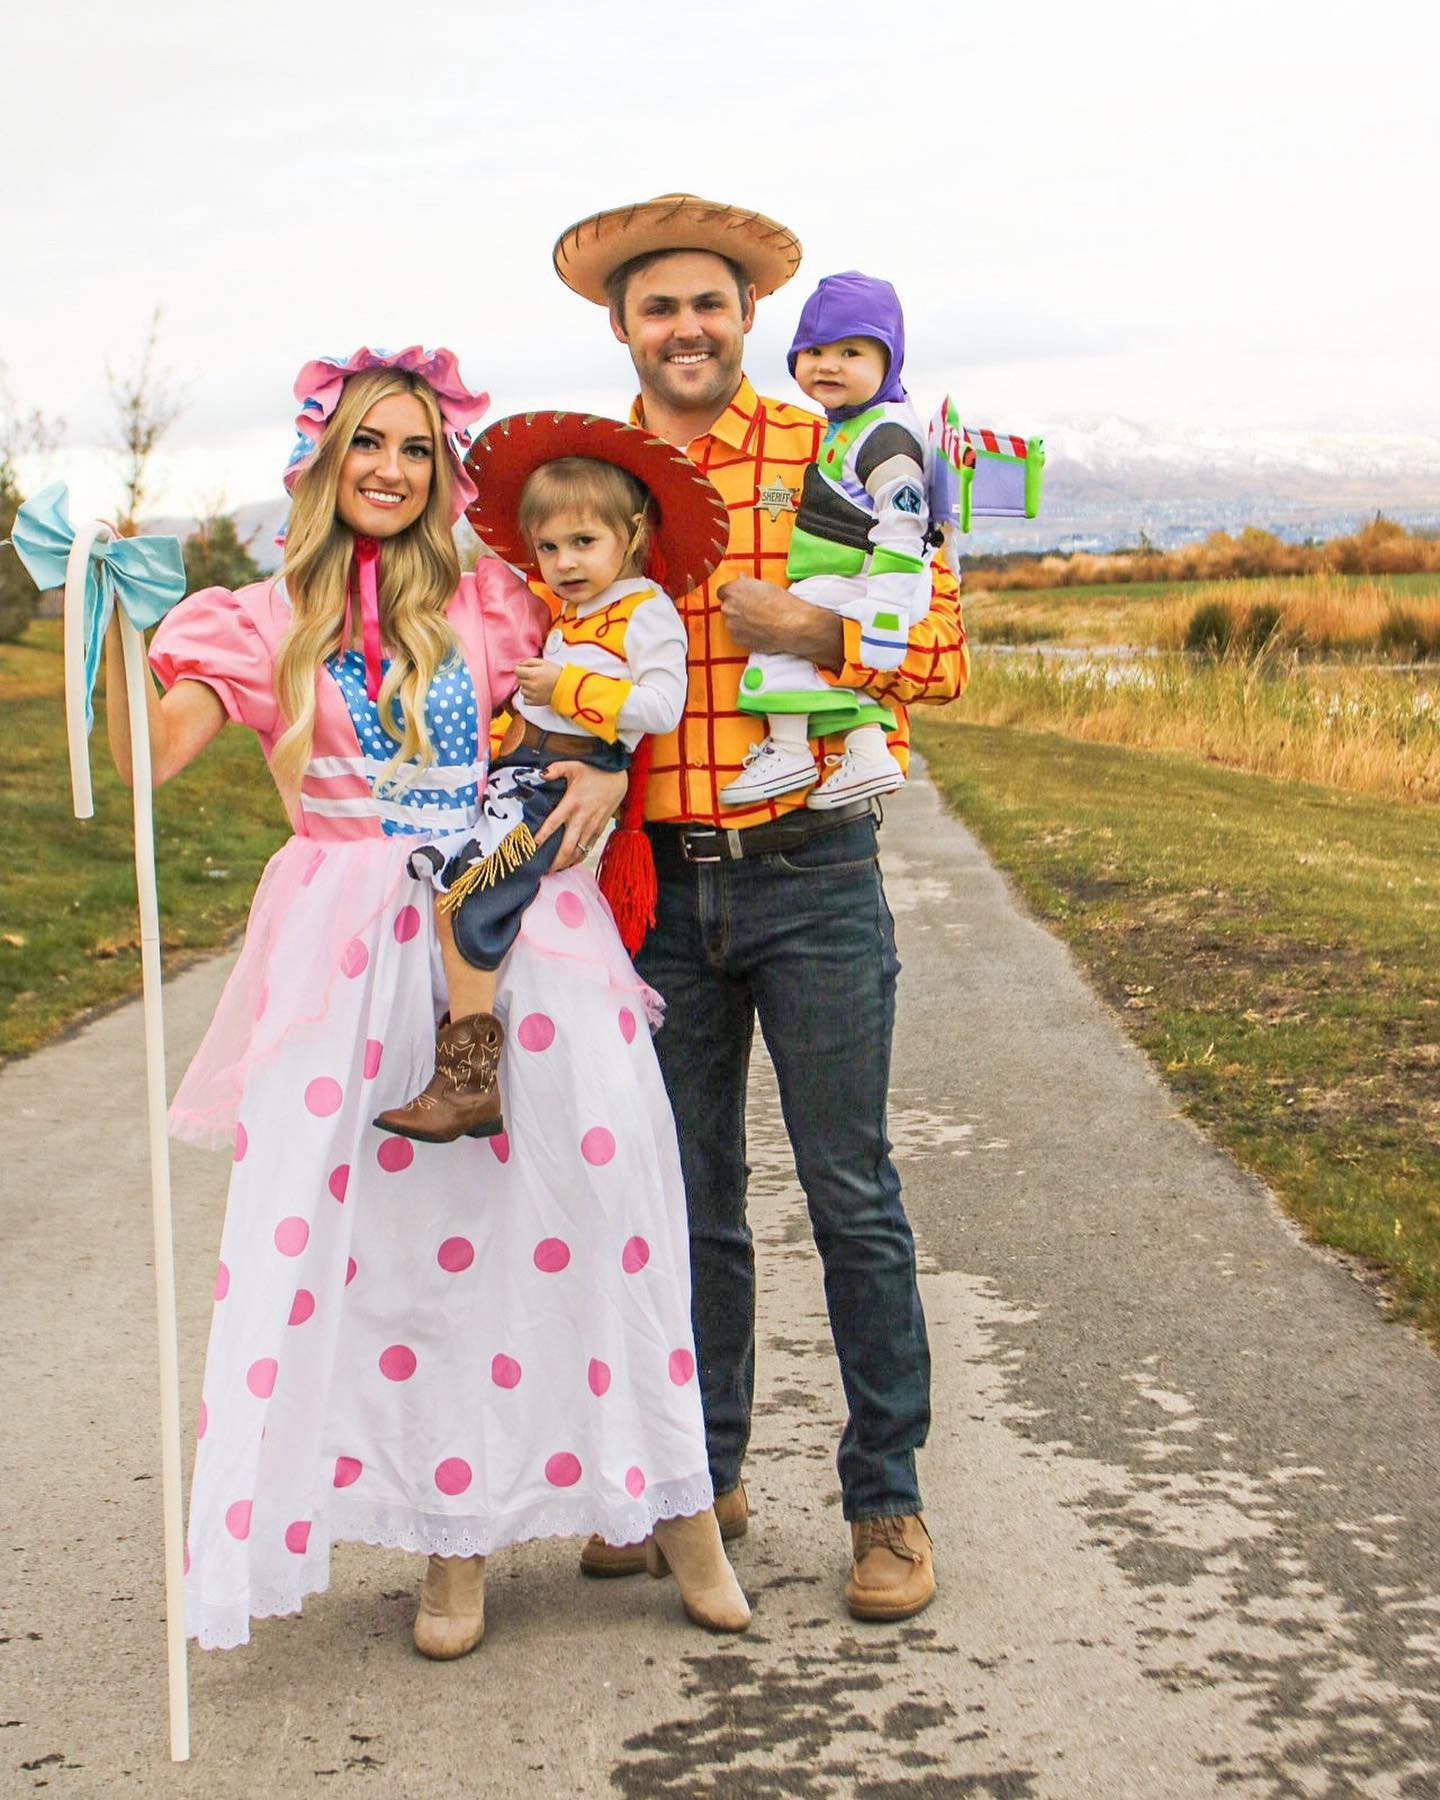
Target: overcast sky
1221	214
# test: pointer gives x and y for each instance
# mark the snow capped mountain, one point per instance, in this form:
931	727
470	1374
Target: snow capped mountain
1108	479
1104	443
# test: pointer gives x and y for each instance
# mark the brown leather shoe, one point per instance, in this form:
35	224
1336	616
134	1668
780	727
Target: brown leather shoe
602	1560
893	1574
462	1097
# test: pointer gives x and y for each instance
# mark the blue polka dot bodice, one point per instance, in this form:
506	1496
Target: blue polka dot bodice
445	796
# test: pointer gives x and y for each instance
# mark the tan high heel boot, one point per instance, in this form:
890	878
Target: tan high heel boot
451	1619
462	1097
691	1550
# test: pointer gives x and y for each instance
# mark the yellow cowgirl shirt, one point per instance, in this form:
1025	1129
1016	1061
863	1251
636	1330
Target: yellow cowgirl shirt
622	658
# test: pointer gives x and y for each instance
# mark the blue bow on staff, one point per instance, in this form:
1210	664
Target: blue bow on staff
143	578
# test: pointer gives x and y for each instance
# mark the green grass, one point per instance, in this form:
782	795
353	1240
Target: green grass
1273	945
68	925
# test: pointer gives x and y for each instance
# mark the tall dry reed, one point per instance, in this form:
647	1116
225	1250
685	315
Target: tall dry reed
1364	730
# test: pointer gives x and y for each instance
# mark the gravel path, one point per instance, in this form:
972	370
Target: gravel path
1184	1480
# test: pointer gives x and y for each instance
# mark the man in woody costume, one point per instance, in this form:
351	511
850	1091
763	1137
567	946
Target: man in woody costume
772	909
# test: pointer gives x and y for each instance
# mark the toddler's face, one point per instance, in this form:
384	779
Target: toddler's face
579	556
846	373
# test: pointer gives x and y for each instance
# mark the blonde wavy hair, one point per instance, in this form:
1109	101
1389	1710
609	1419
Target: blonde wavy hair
419	572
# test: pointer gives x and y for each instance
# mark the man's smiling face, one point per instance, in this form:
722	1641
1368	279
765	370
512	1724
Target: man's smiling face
684	324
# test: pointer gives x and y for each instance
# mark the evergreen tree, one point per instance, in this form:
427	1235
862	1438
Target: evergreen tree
18	595
215	557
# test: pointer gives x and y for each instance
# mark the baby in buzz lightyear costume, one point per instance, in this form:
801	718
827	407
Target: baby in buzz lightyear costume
859	548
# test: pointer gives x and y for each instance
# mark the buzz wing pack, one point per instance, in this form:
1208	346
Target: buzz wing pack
972	473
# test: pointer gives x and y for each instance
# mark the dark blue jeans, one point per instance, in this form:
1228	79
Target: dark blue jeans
802	939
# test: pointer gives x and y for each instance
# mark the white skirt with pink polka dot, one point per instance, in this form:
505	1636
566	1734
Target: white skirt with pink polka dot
441	1348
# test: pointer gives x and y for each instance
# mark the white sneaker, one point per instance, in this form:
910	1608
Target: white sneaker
856	778
770	769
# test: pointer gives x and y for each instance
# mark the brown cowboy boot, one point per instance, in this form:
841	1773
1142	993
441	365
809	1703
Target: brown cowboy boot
462	1097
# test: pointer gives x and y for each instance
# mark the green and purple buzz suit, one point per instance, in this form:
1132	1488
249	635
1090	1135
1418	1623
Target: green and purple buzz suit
858	548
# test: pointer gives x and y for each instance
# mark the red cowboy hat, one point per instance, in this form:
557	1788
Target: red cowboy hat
692	530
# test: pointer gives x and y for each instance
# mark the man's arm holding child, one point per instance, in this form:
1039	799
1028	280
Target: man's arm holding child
936	665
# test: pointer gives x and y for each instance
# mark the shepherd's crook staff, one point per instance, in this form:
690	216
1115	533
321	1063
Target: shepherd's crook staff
142	578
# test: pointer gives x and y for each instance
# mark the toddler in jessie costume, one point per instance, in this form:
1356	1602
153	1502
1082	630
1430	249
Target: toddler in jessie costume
604	514
858	549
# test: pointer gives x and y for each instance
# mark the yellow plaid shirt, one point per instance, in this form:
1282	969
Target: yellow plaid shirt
755	454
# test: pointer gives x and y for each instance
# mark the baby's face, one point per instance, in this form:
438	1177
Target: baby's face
846	373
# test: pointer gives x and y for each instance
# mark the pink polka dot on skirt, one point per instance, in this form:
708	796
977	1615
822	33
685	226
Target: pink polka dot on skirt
453	1475
598	1146
297	1536
505	1371
536	1032
347	1471
551	1255
635	1482
323	1096
260	1377
302	1307
397	1363
237	1519
291	1236
563	1469
455	1254
635	1255
598	1376
682	1367
395	1154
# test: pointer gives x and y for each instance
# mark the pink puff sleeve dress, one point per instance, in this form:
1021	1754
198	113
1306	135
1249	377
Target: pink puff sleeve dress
440	1348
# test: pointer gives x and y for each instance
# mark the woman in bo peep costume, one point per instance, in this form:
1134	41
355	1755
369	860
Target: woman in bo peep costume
491	1341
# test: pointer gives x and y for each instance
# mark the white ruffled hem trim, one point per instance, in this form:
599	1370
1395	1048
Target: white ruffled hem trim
226	1625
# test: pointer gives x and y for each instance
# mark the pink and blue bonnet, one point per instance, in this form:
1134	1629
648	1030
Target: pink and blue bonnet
319	384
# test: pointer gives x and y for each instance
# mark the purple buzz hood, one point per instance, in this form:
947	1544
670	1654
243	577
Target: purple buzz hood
854	305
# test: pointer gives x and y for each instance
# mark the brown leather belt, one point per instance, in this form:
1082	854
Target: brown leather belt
563	743
716	843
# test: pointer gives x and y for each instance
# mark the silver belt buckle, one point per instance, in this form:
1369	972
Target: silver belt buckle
688	836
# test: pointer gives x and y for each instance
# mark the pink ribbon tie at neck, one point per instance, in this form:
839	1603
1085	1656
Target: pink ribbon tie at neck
367	566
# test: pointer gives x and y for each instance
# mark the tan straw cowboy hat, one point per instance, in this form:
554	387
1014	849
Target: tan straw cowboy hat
587	253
